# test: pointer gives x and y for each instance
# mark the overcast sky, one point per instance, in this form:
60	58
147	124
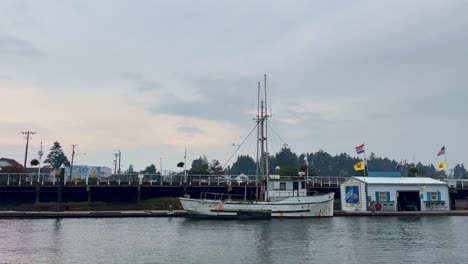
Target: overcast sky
151	77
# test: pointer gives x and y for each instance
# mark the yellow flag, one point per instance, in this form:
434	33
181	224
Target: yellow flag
359	166
441	166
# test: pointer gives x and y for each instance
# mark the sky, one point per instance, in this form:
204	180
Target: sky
151	78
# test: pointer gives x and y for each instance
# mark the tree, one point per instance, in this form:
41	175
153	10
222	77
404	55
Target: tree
130	169
151	169
200	166
459	172
56	157
215	167
286	158
343	173
244	164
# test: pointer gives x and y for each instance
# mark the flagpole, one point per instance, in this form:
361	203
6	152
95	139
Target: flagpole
446	164
406	169
365	162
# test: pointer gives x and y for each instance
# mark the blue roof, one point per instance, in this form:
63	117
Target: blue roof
384	174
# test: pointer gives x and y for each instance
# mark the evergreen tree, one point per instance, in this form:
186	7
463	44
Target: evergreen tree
459	172
286	158
130	169
151	169
215	167
200	166
244	164
56	156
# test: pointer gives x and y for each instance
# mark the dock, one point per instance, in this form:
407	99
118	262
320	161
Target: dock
89	214
182	213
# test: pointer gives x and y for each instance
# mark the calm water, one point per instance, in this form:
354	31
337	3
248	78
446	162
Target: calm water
178	240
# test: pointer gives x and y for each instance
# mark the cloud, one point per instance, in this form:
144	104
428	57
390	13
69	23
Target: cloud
142	84
15	46
213	98
190	130
150	78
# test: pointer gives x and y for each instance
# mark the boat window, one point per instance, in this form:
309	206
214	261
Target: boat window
295	186
282	186
274	186
303	185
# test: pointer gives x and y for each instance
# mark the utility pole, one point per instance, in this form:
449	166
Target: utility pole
115	162
71	165
27	133
160	166
120	155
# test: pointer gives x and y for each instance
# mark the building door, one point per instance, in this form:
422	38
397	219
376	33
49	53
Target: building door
408	201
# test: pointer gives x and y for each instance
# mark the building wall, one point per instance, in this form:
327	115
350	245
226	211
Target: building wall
345	205
392	189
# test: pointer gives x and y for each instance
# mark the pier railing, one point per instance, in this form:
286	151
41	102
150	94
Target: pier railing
47	179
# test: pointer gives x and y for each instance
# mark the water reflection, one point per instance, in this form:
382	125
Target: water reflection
264	244
177	240
56	241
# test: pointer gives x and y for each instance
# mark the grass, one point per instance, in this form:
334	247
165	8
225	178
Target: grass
161	203
150	204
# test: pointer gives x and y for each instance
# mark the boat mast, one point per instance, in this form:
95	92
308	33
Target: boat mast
266	137
262	148
258	145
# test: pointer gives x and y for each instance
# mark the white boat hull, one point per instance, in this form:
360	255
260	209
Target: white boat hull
304	206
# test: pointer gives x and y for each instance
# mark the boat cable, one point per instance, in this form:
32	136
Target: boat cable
274	132
240	145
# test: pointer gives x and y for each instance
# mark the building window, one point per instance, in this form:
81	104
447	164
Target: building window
282	186
382	196
434	196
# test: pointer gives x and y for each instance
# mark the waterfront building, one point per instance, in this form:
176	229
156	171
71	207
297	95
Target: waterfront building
394	194
83	172
10	166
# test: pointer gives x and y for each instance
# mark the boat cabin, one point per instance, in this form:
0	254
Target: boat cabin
283	187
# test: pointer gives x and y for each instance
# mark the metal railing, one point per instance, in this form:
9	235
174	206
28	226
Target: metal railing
47	179
25	179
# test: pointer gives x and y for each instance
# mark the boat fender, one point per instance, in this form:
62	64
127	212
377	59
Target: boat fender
378	206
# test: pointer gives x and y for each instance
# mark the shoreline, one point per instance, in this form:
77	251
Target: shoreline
182	213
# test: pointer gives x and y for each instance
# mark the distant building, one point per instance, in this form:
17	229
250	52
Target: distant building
83	171
394	174
10	166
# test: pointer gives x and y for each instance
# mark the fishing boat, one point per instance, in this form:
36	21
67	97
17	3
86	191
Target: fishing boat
276	196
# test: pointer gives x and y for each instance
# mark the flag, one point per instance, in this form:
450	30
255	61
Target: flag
359	166
441	152
360	149
400	164
441	166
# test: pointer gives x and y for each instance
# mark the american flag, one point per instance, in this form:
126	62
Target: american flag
441	151
360	149
400	164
